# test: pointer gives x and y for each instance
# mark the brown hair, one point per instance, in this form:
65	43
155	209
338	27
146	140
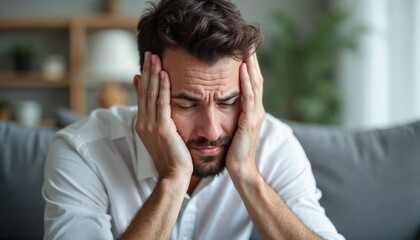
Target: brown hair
207	29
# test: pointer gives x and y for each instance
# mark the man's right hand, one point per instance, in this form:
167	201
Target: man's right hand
155	126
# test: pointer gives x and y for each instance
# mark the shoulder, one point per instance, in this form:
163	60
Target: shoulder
110	123
277	144
274	129
279	153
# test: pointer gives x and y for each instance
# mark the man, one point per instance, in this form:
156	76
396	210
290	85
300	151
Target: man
198	158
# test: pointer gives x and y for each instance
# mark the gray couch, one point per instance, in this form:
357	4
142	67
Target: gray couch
370	180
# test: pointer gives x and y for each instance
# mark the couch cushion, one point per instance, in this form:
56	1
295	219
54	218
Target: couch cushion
65	117
22	155
370	180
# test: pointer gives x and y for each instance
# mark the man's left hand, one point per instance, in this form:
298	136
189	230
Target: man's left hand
240	159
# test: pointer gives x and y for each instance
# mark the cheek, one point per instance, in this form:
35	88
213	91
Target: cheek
230	121
183	125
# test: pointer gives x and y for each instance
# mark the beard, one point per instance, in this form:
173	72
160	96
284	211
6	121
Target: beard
212	165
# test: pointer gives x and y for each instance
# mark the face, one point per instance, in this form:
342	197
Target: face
205	105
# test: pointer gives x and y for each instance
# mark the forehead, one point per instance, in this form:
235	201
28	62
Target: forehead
194	76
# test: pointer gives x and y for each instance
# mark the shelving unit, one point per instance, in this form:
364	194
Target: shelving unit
78	29
30	80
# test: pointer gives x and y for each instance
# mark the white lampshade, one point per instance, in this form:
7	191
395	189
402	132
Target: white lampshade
112	56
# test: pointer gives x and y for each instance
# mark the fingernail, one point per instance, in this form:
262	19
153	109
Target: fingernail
162	75
153	59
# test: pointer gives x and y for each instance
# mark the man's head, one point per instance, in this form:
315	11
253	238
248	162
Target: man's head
202	44
206	29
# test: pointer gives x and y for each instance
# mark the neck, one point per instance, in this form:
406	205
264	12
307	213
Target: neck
193	185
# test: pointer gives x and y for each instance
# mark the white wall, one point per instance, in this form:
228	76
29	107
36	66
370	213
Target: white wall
382	82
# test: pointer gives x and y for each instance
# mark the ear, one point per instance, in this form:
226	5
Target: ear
136	81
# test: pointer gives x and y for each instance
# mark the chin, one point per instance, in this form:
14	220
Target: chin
209	166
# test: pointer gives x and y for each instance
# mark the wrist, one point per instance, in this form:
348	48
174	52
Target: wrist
173	187
249	186
244	174
176	182
241	168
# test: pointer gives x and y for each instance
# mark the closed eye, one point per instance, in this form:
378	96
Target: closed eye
186	106
229	102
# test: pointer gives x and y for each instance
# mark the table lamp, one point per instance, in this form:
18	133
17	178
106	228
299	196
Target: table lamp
112	59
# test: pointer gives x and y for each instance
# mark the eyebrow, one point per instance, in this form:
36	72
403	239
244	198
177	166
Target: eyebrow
184	96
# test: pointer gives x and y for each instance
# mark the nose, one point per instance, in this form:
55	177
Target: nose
210	125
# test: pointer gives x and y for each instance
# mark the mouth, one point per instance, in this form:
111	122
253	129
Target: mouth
209	150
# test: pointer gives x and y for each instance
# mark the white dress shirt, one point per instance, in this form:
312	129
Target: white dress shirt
98	174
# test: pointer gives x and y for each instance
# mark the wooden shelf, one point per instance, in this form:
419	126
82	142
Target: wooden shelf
16	24
78	29
30	80
106	22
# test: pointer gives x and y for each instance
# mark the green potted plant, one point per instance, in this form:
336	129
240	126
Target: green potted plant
23	56
302	68
5	110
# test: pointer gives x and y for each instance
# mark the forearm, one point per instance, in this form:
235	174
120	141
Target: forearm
270	215
158	215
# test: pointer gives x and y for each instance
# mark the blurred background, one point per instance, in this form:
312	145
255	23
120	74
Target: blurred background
351	63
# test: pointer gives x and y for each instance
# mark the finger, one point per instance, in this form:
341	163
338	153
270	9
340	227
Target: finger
143	87
258	67
164	108
253	68
255	76
260	86
153	91
246	88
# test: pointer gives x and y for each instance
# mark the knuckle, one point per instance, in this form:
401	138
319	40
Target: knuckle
149	127
161	131
161	103
144	91
151	94
155	71
249	95
262	115
256	85
140	128
145	70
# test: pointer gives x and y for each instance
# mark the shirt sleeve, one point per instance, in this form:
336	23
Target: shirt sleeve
288	172
75	198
